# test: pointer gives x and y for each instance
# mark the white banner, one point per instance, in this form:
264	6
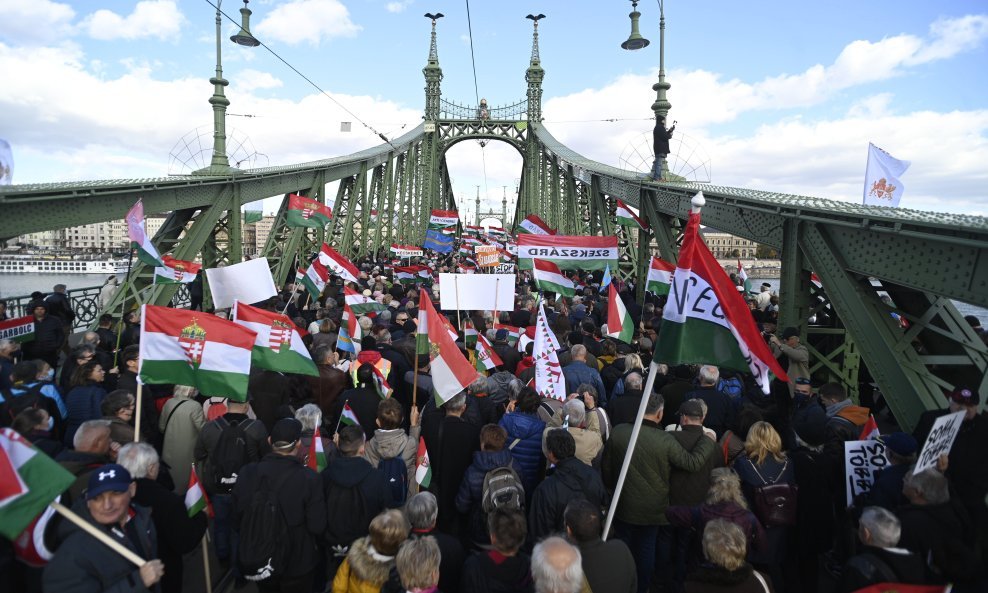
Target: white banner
478	292
249	282
882	186
505	269
862	460
405	253
940	441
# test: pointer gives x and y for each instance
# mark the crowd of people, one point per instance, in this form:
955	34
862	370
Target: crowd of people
728	488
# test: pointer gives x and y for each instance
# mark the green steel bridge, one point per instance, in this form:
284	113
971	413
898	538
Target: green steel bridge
922	260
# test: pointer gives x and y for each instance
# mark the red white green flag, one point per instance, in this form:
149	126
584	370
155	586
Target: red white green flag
194	348
514	333
306	212
360	304
317	456
870	430
451	371
549	278
619	323
443	219
659	276
19	329
29	481
705	320
349	417
469	334
568	252
146	251
423	469
338	264
625	216
196	500
533	225
175	271
278	345
314	278
487	359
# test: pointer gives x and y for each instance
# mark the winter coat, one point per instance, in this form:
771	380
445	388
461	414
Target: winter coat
881	565
572	479
83	403
209	437
508	354
809	421
456	445
609	566
527	430
346	472
646	488
697	517
49	333
493	572
178	533
80	464
942	533
326	390
451	559
589	442
720	410
363	401
687	487
674	393
82	565
715	579
180	421
968	464
623	409
387	444
269	391
300	500
360	571
470	495
578	372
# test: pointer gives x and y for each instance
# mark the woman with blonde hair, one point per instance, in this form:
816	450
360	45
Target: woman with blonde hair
370	559
632	364
765	470
725	569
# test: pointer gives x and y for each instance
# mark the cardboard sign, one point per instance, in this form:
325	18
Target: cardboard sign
487	256
479	292
862	460
940	441
505	269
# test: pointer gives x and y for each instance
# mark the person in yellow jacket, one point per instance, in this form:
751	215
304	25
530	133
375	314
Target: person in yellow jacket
370	559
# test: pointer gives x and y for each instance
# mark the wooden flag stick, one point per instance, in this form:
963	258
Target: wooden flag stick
102	537
137	413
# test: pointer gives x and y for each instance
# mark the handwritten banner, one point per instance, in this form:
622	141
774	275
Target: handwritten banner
862	460
940	441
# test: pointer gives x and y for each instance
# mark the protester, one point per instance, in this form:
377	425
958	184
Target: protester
371	558
180	422
557	567
726	569
504	568
422	510
879	560
608	566
571	478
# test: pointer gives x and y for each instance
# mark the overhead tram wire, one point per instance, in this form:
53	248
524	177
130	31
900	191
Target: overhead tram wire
310	81
476	95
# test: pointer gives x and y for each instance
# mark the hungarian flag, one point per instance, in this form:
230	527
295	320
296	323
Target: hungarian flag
533	225
19	329
253	216
196	500
29	480
548	277
423	470
706	321
278	345
338	264
473	230
451	371
407	274
314	278
626	217
659	276
465	250
487	359
569	252
317	457
870	430
472	242
619	323
549	379
175	271
743	276
146	252
469	334
349	417
360	304
514	333
306	212
443	219
194	348
350	332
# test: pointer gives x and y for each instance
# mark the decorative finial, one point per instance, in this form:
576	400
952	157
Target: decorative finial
535	37
698	201
433	49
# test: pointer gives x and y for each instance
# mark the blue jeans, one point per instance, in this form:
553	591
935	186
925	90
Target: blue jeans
641	540
225	538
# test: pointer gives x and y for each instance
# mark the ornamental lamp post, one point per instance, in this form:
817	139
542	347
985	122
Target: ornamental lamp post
220	164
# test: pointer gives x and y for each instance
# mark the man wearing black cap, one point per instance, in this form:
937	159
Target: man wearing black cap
83	564
797	354
298	491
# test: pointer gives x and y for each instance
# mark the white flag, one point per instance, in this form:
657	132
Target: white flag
549	380
6	163
882	186
248	281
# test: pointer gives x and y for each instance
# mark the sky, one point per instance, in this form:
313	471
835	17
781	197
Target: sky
775	95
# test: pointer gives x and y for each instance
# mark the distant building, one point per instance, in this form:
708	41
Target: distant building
724	245
262	230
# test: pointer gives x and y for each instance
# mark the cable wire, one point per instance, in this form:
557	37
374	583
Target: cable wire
473	62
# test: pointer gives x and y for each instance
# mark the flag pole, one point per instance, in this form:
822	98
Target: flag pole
415	380
102	537
137	413
456	285
205	562
340	419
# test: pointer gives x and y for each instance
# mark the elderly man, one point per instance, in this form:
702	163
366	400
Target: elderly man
879	560
578	371
720	410
557	567
178	533
608	566
797	354
7	350
421	511
81	564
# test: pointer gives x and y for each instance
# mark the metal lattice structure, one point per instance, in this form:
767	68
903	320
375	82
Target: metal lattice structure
921	260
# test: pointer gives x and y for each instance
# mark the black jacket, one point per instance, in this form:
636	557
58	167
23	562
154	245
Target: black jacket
469	497
720	410
609	566
492	572
452	556
508	354
257	445
178	533
301	502
346	472
623	409
878	565
457	440
49	333
690	488
571	479
60	307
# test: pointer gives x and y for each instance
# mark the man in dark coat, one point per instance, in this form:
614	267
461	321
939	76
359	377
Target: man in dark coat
674	392
623	409
300	500
880	560
49	335
720	411
571	479
421	511
178	534
451	453
508	354
327	387
608	566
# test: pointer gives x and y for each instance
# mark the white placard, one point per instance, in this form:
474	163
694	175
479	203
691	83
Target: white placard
862	459
940	441
480	292
505	269
249	282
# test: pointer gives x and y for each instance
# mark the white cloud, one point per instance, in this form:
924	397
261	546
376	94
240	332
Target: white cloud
307	21
150	18
249	80
396	7
36	22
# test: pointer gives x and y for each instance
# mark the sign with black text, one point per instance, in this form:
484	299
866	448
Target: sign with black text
941	438
862	460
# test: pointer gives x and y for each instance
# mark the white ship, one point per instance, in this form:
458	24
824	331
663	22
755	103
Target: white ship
32	264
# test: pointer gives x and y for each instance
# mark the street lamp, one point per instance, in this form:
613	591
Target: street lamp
635	40
220	164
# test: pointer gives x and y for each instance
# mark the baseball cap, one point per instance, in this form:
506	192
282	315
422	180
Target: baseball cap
900	443
966	396
691	408
501	334
108	478
285	433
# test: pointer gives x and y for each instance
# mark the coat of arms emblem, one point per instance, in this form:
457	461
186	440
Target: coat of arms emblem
281	334
192	339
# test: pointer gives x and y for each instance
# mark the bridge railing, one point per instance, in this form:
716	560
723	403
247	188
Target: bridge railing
515	112
85	303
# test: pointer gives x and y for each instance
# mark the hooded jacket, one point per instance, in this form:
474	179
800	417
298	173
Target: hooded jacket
571	480
526	429
387	444
470	495
364	570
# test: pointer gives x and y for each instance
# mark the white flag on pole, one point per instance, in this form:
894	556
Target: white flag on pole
882	186
248	281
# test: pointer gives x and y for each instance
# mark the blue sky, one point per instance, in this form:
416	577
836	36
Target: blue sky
775	95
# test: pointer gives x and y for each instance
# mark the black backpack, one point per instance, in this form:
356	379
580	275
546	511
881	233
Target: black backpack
346	514
230	454
396	473
15	404
263	550
502	489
